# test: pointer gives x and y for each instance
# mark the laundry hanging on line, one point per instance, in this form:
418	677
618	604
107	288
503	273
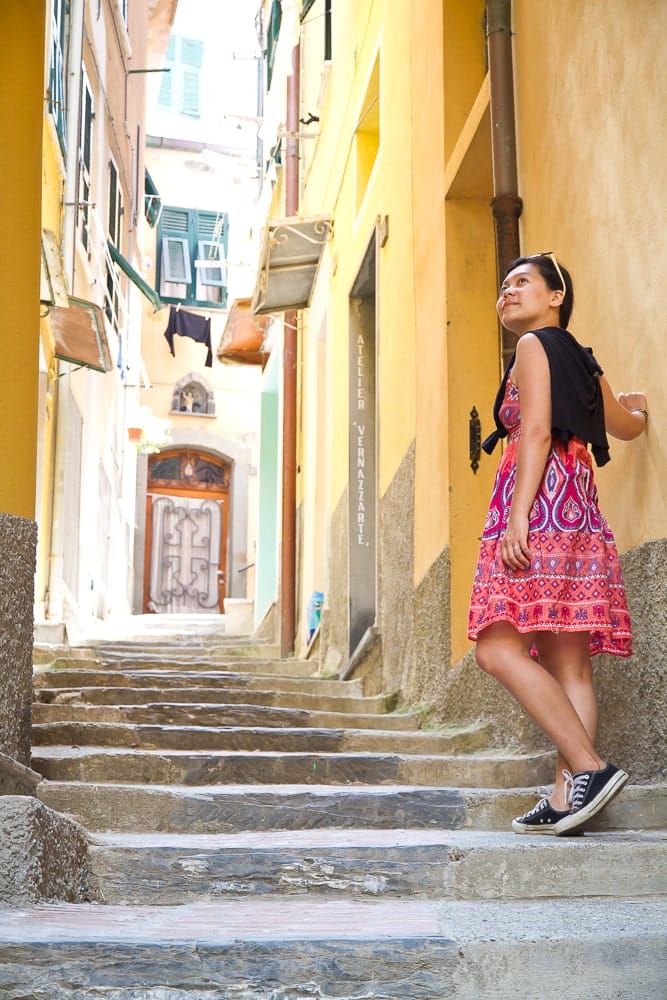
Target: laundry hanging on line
187	324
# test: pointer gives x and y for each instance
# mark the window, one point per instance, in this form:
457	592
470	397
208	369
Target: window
56	95
192	256
85	159
180	88
305	8
112	305
272	33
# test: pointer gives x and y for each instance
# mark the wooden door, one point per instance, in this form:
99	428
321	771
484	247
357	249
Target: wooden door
187	508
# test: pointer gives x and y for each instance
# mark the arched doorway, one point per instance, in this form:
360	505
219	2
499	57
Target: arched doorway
187	515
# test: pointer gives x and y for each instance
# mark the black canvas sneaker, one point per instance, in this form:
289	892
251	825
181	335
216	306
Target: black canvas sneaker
591	792
542	818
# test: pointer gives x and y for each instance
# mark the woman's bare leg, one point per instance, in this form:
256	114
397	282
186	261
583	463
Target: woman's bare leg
505	654
567	658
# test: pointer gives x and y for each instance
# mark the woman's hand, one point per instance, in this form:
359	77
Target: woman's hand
633	400
514	544
622	416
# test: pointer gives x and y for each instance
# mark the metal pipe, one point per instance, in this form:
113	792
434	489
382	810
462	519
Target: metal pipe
506	204
290	348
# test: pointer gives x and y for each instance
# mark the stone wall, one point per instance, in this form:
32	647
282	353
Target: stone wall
18	543
632	693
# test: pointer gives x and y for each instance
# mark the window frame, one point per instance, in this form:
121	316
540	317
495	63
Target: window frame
85	157
57	77
180	89
115	212
188	231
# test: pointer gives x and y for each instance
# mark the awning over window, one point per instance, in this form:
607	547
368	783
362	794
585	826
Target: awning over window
79	333
134	276
290	256
52	287
243	339
152	201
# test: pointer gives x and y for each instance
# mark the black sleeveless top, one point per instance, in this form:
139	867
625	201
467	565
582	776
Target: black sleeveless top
577	409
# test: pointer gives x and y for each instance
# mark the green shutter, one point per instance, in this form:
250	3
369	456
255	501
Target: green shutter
190	94
176	260
192	52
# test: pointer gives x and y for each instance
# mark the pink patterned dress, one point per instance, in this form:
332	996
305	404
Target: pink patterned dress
574	582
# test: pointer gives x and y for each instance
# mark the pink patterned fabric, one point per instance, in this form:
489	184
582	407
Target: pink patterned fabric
574	582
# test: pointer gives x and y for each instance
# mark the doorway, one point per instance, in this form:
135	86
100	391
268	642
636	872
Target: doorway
362	452
187	517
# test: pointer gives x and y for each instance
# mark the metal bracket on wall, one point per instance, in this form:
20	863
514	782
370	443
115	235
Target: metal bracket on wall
475	439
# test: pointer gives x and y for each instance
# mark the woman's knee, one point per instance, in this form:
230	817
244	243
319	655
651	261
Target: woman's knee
489	657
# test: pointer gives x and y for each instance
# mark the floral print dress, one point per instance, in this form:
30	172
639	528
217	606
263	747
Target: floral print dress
574	582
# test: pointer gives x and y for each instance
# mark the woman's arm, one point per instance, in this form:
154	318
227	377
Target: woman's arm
623	417
532	377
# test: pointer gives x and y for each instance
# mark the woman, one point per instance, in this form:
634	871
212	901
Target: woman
548	580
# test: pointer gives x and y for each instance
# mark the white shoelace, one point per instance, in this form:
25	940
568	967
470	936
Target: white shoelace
580	784
569	785
538	808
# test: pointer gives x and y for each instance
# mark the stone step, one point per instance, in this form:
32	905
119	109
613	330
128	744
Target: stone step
186	767
157	646
169	679
281	948
174	661
168	714
160	869
315	701
88	734
230	809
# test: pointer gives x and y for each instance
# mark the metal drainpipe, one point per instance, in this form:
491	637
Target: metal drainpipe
506	204
288	544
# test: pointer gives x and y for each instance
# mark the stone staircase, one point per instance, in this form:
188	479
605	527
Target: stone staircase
260	833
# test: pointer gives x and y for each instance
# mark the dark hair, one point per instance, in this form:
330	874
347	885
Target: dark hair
546	267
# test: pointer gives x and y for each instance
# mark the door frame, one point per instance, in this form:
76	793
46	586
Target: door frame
201	492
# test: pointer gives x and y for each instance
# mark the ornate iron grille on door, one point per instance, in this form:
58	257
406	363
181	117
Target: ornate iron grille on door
186	532
185	553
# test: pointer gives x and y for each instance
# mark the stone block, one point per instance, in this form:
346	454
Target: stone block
18	542
239	616
43	855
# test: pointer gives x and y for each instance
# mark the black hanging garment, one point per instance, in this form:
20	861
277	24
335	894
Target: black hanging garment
189	325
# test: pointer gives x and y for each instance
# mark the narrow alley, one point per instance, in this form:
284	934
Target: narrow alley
259	831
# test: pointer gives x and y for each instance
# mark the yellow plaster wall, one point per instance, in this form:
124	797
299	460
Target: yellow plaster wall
21	109
364	34
593	178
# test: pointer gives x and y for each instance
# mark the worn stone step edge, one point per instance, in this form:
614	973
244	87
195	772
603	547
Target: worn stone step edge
228	809
166	713
269	668
169	679
417	949
158	869
455	740
201	768
204	696
186	645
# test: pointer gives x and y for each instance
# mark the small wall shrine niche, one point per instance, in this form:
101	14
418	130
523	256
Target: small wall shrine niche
193	396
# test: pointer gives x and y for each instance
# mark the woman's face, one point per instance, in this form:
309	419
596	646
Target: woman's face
525	302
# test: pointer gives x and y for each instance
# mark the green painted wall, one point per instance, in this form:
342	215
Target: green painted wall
268	537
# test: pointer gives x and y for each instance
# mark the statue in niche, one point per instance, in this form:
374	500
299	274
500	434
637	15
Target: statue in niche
192	399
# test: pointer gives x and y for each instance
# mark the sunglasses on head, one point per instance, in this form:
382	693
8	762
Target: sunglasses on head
552	257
